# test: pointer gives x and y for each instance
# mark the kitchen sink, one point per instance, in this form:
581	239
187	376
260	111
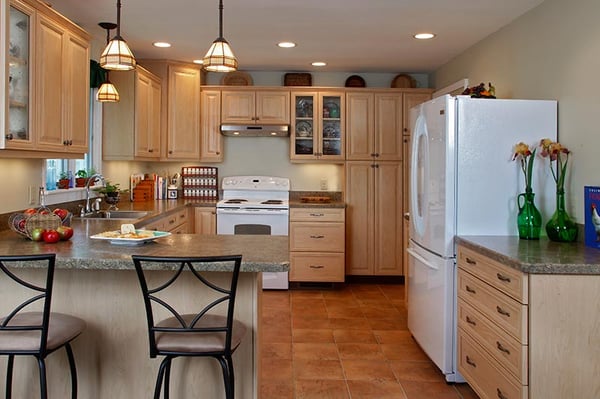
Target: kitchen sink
116	215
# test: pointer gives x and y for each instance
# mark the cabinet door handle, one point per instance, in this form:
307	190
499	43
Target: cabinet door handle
317	236
317	214
502	311
316	266
470	362
502	348
503	278
471	290
373	154
150	150
470	261
471	321
500	394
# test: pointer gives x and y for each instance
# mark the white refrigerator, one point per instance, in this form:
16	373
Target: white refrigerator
463	182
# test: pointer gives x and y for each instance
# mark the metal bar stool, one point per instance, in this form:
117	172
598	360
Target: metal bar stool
207	333
25	332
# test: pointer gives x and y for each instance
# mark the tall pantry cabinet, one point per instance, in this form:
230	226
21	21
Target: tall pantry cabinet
375	181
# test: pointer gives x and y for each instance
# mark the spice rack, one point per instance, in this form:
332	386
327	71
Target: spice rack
200	182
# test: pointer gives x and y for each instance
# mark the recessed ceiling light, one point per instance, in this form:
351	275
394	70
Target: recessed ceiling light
198	61
424	36
161	44
286	44
319	63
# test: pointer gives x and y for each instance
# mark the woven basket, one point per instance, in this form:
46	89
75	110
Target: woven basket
24	224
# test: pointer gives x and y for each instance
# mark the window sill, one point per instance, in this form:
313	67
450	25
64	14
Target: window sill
58	196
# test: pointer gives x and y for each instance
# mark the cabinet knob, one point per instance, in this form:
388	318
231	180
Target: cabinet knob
170	151
218	152
150	150
9	136
405	130
376	155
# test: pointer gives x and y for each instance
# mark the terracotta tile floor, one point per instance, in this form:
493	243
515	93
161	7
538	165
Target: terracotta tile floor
345	343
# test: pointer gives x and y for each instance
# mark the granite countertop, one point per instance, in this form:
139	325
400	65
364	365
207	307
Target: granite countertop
260	253
536	256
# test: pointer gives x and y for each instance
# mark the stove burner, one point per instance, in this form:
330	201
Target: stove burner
235	201
272	202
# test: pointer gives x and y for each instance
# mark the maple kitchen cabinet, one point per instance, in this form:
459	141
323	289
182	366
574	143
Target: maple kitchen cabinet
252	106
374	218
318	126
47	86
528	318
131	127
316	245
205	220
211	146
180	104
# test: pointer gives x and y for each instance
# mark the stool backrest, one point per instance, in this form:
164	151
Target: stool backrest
159	277
21	319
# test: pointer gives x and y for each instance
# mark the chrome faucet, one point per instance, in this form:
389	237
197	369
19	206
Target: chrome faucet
88	209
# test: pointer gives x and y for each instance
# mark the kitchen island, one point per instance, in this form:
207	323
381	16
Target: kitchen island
96	281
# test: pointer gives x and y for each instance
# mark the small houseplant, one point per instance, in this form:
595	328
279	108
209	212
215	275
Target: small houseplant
111	193
82	176
63	180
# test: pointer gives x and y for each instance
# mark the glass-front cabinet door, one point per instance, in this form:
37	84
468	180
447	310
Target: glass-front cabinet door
17	127
317	126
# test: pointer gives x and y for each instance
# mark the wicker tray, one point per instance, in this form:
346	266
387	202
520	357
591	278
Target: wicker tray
297	79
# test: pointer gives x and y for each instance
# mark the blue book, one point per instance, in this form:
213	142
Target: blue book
591	197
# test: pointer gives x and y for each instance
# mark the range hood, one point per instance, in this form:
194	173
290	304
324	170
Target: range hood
255	130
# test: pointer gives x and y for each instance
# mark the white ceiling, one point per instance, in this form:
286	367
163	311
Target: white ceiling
350	35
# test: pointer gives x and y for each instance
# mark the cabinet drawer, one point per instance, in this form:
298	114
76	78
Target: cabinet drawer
174	220
506	312
181	229
318	237
508	280
484	374
504	348
317	214
322	267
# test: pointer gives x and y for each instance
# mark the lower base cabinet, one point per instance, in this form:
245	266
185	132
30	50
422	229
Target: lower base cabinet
175	223
205	220
527	335
317	245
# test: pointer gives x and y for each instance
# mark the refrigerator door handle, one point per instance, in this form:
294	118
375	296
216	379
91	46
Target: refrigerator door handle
418	186
421	259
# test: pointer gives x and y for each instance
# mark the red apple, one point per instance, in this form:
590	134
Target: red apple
37	234
64	232
50	236
61	213
29	211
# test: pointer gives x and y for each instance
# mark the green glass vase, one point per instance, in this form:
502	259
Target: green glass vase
529	219
560	227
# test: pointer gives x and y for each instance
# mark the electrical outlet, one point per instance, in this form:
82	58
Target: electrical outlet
324	184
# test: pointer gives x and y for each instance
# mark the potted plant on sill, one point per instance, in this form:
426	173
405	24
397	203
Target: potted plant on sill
82	176
63	181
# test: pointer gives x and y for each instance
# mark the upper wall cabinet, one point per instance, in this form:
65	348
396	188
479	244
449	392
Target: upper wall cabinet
131	127
255	106
180	106
46	94
211	148
317	131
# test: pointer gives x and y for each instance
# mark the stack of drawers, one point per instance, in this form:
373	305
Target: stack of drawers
492	326
317	244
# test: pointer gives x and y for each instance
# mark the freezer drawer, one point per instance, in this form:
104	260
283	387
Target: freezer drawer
431	306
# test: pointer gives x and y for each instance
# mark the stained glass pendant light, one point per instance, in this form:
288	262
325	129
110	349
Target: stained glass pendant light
107	93
117	55
219	57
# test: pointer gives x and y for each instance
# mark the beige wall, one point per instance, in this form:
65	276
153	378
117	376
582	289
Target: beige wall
552	52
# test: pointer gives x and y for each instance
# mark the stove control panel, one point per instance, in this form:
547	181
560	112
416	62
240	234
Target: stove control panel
256	183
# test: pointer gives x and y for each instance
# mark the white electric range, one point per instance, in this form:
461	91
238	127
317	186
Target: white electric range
256	205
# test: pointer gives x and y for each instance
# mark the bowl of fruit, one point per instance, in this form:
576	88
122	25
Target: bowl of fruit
42	224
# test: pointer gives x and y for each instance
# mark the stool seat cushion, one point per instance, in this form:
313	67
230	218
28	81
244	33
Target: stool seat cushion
201	342
62	328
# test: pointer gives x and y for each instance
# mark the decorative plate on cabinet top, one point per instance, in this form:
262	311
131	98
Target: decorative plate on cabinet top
237	78
355	81
404	81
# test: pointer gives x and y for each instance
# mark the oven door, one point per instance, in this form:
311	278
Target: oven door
252	221
257	221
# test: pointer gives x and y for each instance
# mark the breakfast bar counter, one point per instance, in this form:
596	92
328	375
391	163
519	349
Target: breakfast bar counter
96	281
